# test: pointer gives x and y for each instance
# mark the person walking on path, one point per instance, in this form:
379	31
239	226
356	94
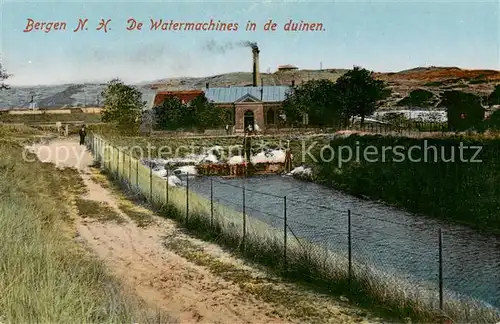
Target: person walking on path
82	133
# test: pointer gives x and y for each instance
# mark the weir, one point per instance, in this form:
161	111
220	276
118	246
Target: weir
241	169
246	169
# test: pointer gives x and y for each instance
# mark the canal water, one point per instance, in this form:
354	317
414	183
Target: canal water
389	238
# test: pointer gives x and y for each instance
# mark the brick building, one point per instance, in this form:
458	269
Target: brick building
257	105
250	105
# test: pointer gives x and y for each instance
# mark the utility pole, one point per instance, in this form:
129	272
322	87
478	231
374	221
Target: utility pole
32	101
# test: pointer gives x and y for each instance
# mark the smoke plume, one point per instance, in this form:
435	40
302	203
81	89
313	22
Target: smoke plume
214	47
252	45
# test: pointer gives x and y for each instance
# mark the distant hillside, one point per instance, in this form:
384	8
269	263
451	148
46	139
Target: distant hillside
433	79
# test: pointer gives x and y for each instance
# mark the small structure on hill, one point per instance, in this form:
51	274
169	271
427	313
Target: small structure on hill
287	67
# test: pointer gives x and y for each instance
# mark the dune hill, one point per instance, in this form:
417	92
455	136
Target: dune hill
433	79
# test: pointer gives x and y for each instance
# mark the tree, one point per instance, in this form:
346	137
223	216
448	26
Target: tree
493	121
359	93
3	76
122	106
464	110
316	98
148	122
418	98
494	97
171	114
207	114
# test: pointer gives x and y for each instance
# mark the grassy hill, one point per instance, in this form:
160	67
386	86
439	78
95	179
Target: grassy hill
433	79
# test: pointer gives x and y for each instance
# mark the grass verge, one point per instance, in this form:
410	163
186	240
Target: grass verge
97	210
136	213
45	277
297	305
142	219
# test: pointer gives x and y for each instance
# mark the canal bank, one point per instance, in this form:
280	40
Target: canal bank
401	244
303	253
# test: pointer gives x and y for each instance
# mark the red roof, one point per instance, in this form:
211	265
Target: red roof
184	95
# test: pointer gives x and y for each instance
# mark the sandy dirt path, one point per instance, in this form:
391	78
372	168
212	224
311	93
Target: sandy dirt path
161	277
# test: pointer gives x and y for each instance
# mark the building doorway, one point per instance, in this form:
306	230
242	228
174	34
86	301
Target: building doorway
249	120
270	117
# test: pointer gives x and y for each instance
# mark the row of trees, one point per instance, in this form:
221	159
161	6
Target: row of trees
123	106
327	103
358	94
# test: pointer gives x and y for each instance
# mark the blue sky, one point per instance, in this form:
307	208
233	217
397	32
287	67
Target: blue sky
378	35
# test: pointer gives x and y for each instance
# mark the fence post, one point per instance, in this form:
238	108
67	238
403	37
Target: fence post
111	157
150	184
285	234
123	165
211	203
440	241
166	185
110	163
137	175
116	159
129	154
244	218
349	245
118	163
110	154
187	197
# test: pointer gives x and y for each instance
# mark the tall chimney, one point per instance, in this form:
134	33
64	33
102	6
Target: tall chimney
256	74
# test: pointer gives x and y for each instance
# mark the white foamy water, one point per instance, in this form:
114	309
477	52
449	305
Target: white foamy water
301	172
192	160
419	115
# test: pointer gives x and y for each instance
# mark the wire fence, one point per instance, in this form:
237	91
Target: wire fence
398	263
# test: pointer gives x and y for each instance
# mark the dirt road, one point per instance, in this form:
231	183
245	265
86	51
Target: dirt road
139	254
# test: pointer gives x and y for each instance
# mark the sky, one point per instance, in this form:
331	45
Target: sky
381	36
